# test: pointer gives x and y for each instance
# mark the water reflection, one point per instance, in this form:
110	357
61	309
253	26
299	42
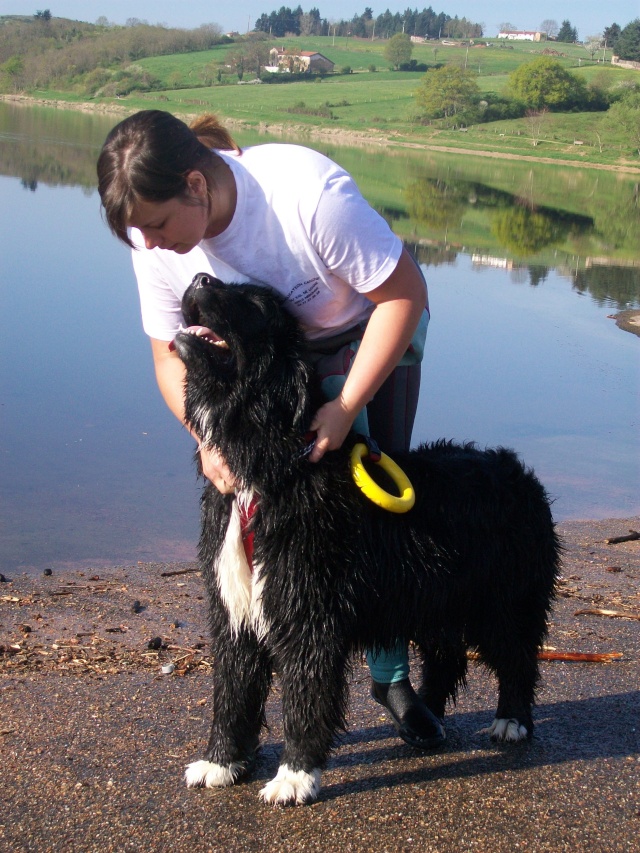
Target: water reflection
93	468
50	146
521	226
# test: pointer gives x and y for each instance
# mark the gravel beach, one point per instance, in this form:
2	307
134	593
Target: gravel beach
95	731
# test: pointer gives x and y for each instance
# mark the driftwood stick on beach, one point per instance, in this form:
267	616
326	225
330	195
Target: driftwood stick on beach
631	536
598	611
580	657
177	572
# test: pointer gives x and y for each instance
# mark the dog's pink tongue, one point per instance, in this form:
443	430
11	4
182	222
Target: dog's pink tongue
199	332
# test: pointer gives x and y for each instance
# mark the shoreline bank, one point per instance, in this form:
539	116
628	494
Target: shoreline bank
339	136
46	617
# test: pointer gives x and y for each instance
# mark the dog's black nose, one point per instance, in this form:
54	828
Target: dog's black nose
202	279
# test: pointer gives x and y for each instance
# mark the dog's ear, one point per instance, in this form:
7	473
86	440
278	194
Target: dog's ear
266	329
275	355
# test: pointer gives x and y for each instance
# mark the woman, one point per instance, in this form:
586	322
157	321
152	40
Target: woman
188	200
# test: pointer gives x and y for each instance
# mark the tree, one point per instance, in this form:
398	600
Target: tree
592	44
250	56
12	70
550	27
611	35
625	114
358	26
310	23
211	33
628	44
535	121
210	72
544	82
256	56
567	33
398	50
237	60
447	92
279	23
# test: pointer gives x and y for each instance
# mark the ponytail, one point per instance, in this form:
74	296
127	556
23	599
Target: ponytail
212	134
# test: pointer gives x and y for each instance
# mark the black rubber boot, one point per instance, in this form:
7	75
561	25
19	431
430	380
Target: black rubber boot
414	722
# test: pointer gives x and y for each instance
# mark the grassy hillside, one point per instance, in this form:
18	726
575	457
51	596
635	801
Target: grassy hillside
381	102
495	61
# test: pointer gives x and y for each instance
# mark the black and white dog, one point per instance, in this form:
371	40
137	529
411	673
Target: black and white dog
314	570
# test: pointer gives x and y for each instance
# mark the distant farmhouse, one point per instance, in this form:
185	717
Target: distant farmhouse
522	35
299	61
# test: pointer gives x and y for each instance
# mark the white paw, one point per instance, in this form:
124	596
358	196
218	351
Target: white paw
510	731
205	774
292	787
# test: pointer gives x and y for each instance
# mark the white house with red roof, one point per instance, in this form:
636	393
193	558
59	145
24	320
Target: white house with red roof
522	35
290	60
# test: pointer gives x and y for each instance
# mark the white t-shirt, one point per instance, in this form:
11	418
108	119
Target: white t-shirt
300	226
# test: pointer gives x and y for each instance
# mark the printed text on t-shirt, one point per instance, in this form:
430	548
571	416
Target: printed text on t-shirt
304	292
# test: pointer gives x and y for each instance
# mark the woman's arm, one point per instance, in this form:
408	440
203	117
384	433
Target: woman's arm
170	376
399	301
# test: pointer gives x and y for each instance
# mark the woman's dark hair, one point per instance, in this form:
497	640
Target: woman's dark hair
147	157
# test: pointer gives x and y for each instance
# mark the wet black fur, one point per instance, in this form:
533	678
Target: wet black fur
472	565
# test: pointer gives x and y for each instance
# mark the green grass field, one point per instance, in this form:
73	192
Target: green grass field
360	54
383	102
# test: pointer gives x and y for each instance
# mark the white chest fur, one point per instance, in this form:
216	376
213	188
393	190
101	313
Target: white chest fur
240	587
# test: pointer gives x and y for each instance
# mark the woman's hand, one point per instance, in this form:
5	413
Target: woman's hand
332	423
399	302
170	374
216	470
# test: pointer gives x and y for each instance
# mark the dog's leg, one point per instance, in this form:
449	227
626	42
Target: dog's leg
510	650
292	787
517	671
443	673
314	698
241	676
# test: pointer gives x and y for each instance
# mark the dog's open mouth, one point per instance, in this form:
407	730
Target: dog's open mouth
205	334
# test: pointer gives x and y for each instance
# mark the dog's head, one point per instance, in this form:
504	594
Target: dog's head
247	373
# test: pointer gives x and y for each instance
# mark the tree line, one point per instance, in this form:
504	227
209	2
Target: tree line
43	51
426	24
625	42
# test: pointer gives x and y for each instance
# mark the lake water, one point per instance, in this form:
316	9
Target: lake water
521	351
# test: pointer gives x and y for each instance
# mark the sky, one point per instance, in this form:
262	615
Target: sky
587	16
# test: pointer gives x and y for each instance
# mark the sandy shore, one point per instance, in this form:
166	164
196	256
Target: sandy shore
94	736
103	620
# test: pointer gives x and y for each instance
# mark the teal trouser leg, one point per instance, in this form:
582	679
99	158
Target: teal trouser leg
389	667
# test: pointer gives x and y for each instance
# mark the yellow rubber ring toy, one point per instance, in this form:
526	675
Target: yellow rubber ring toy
372	490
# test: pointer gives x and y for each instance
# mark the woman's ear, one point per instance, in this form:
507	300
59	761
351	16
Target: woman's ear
197	185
